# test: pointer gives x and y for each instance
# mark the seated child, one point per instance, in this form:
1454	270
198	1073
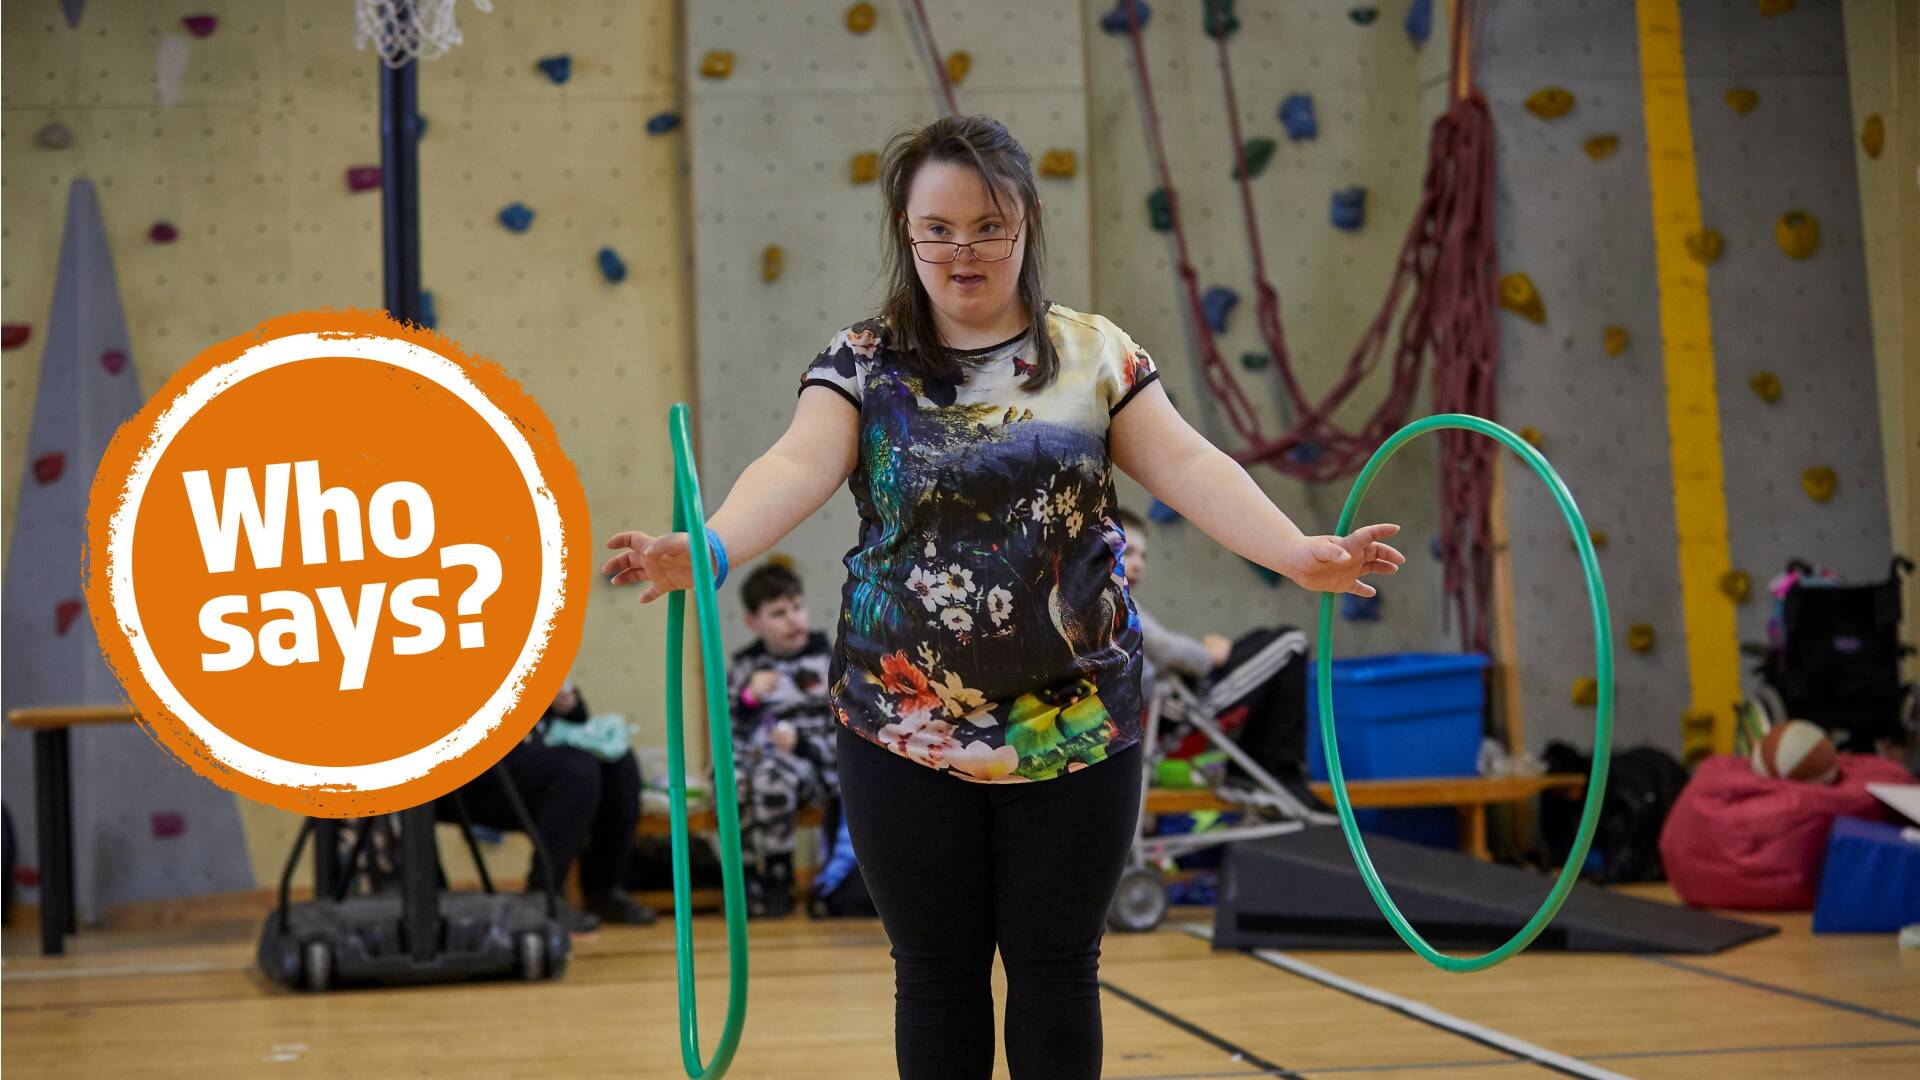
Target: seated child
783	731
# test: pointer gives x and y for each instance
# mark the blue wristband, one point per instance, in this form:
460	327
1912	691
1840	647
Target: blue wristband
719	557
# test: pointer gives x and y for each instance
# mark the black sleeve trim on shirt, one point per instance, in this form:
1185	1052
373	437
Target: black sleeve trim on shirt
1137	387
854	401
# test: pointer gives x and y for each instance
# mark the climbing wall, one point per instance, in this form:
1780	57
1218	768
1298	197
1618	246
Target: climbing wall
241	140
771	147
1375	91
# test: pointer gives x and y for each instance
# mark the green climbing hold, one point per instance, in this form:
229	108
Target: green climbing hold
1221	21
1363	16
1160	210
1253	361
1257	153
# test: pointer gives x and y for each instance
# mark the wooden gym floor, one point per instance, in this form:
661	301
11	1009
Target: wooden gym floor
187	1002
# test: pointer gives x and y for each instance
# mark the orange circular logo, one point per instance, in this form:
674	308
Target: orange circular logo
338	565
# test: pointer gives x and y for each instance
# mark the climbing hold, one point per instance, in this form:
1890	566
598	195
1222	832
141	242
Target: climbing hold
1360	608
1161	514
1532	435
662	123
1767	385
1363	16
428	317
1115	21
1775	7
1306	453
770	261
558	68
23	875
201	26
1736	585
611	267
419	126
1550	103
13	335
1614	340
1518	295
114	361
1296	115
866	167
1819	482
363	177
1271	577
1059	164
1594	536
1220	20
163	232
1601	147
958	64
1798	233
1433	548
1253	361
1742	99
1160	210
167	824
1873	135
64	613
860	17
48	467
1349	209
717	64
1586	691
1256	153
57	136
516	217
1218	303
1419	23
1705	246
1640	637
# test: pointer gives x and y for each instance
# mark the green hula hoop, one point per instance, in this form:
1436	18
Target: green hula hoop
1603	724
690	517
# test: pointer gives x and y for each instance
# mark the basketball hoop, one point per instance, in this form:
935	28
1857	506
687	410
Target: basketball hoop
405	30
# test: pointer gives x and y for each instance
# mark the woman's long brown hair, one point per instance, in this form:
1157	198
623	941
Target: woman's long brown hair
985	145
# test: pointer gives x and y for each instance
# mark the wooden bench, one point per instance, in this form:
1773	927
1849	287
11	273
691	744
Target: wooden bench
53	807
1470	795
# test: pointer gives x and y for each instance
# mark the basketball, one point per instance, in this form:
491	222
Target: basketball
1797	750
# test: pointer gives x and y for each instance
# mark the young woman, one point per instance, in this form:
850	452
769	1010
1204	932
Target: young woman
986	672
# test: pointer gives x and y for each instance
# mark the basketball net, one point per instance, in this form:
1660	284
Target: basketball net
404	30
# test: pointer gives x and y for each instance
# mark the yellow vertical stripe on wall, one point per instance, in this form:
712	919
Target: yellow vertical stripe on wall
1693	409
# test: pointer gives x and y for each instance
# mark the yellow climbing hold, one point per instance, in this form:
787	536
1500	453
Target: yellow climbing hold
1550	102
717	64
1059	164
1798	233
1596	536
1532	435
958	64
1873	135
1742	99
1705	245
1819	482
1586	691
770	261
866	167
1640	637
1518	295
1696	736
1615	340
1775	7
1736	585
1767	385
860	17
1601	147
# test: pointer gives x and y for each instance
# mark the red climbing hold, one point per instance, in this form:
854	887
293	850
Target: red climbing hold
167	824
48	467
114	361
64	615
163	232
201	26
14	334
363	177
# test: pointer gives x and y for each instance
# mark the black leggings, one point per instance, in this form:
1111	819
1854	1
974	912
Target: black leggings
955	868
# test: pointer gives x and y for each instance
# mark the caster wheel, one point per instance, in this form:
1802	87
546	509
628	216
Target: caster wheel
530	959
1140	903
316	971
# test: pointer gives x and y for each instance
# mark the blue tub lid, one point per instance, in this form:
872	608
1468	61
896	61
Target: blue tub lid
1393	667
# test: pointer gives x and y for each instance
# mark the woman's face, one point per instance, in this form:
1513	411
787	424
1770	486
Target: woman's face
950	201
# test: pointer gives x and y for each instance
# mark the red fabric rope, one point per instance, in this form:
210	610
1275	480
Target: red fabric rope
939	62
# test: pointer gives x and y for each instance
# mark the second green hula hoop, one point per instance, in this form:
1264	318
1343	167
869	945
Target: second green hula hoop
1603	724
690	517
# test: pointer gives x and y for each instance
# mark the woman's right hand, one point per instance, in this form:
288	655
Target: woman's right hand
664	563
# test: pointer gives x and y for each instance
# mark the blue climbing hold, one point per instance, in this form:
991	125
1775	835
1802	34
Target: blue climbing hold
428	318
1115	21
1306	453
611	267
1217	303
419	126
1433	547
1296	115
516	216
1420	21
1350	208
558	68
1161	514
1360	608
661	123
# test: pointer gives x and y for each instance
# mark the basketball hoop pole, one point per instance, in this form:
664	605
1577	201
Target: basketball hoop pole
400	184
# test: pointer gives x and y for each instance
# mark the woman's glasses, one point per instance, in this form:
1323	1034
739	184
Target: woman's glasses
992	249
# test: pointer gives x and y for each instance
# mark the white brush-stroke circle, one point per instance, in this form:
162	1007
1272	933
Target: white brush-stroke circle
378	775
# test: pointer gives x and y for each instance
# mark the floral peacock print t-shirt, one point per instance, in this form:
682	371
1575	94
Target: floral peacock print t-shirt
985	627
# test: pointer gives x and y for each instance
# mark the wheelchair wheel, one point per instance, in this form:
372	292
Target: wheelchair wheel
1140	903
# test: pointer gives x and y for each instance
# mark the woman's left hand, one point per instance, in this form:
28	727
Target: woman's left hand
1336	563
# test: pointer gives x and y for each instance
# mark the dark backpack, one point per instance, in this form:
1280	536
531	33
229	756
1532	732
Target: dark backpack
1642	785
1837	660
